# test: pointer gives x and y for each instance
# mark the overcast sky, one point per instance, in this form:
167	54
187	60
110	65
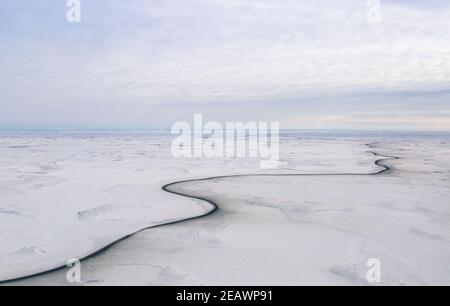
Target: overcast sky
149	63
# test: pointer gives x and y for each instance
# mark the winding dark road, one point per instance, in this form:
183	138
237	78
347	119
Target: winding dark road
214	206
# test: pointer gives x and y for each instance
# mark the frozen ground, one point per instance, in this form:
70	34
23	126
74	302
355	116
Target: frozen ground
68	195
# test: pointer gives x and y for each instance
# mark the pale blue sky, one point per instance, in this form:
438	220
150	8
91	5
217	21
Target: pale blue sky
148	63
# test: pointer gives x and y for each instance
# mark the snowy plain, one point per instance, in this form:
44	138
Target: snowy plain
68	195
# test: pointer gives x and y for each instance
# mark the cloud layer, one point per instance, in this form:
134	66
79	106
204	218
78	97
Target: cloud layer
149	63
